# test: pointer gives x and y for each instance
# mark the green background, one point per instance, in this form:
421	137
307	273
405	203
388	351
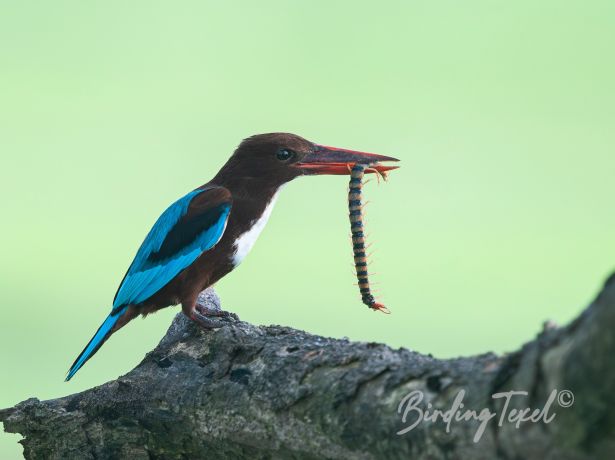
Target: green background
501	216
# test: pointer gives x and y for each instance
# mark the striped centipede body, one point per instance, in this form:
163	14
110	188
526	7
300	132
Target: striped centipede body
355	208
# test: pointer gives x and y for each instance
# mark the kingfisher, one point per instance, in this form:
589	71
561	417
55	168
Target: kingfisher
207	233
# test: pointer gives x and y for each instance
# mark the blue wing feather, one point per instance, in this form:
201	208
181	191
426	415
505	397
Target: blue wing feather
148	274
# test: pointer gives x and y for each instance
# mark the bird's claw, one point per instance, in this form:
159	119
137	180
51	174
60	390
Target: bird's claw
204	313
204	322
207	311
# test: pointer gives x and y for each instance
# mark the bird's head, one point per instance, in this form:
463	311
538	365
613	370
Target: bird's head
280	157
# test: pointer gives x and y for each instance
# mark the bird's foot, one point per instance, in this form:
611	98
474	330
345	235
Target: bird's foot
204	322
205	310
208	304
202	316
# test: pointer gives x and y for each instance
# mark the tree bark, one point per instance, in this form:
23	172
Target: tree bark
256	392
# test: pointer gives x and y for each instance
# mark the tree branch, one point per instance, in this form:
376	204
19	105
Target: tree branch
248	391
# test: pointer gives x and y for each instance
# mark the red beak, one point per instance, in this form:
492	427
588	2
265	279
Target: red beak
331	160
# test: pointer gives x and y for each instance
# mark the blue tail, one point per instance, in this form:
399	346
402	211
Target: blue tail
102	334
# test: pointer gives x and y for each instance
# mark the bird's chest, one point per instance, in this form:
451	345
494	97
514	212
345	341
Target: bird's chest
248	234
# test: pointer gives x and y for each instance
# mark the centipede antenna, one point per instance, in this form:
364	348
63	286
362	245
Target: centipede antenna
379	174
383	174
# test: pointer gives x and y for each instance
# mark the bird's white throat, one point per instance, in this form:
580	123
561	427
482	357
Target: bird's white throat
245	241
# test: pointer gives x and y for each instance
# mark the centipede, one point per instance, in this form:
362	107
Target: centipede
355	212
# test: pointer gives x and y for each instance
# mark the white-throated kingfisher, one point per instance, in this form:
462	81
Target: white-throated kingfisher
207	233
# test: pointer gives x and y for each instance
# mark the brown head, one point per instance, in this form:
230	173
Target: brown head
276	158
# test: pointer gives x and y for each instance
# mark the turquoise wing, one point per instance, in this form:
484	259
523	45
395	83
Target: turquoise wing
189	227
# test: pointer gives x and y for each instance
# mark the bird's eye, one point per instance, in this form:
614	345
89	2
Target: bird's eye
284	154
